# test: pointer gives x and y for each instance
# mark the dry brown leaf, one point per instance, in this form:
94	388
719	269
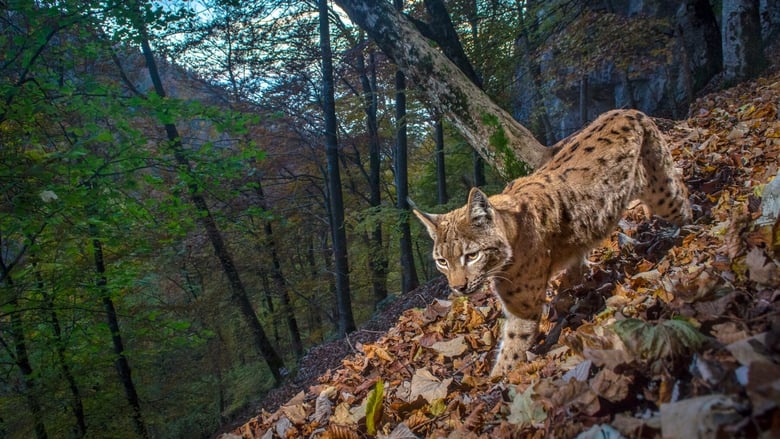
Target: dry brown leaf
761	269
728	333
336	431
698	418
323	408
428	386
451	348
611	386
401	431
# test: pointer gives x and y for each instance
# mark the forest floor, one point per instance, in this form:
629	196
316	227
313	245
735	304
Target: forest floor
674	333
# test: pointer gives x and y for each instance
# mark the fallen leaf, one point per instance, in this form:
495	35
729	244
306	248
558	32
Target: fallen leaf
698	418
763	386
633	427
611	386
770	202
750	349
401	431
428	386
296	409
524	410
323	408
600	432
762	270
282	426
377	351
346	415
451	348
728	332
580	372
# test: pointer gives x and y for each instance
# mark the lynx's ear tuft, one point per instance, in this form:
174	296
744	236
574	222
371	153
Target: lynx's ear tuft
429	220
480	210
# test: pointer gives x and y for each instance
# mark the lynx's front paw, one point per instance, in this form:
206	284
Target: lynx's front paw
518	335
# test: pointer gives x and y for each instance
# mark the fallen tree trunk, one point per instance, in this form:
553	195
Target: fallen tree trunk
502	141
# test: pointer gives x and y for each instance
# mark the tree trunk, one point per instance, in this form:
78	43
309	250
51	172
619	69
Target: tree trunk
343	295
22	360
284	293
743	50
584	100
80	429
121	363
441	172
441	30
269	302
327	253
478	166
378	257
503	142
280	283
239	293
409	279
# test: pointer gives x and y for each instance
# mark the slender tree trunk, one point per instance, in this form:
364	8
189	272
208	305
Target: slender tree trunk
22	360
316	313
441	172
378	257
80	428
239	293
479	169
279	281
503	142
121	363
343	295
584	100
409	280
269	302
281	285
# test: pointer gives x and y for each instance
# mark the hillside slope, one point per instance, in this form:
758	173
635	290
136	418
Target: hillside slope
674	333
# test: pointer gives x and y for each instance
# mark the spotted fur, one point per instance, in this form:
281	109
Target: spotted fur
549	221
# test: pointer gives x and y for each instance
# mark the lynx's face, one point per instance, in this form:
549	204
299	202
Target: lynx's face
468	246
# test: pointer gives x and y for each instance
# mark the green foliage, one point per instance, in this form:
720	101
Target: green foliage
374	407
659	345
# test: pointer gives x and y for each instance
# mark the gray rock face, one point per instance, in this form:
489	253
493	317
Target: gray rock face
663	89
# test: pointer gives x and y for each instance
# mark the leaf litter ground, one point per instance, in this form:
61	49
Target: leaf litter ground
674	333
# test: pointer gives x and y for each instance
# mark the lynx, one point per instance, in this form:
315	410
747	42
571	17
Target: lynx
549	221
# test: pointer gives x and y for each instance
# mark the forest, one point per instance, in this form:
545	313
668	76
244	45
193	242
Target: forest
196	195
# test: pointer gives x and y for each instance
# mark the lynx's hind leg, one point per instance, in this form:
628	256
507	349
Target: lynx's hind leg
665	193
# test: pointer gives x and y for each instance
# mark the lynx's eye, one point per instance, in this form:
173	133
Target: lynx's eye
441	262
473	257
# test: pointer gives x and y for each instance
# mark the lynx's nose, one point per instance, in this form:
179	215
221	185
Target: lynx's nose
460	289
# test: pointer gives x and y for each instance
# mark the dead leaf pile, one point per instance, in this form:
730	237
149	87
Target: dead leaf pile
673	334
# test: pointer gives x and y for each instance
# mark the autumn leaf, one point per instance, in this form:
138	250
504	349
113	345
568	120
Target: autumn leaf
761	269
296	409
401	431
428	386
699	417
374	407
323	408
451	348
524	410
